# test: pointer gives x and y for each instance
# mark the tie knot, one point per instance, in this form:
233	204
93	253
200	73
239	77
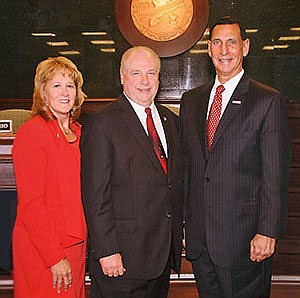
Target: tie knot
220	89
148	111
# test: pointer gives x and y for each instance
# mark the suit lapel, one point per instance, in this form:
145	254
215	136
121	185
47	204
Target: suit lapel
135	127
235	104
201	113
169	136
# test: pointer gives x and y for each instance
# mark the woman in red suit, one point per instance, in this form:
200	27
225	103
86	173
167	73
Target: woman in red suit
49	236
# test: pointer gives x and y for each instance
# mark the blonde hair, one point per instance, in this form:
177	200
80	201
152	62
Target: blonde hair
133	50
45	71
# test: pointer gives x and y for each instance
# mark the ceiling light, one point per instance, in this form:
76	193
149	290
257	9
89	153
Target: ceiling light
251	30
206	31
270	48
42	34
289	38
112	50
102	42
295	29
202	42
69	52
281	46
94	33
57	43
199	51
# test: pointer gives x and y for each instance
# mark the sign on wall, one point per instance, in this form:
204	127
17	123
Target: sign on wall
5	125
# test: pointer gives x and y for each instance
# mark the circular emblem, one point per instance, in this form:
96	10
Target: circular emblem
169	27
162	20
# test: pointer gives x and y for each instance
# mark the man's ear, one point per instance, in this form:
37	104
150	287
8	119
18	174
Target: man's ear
246	47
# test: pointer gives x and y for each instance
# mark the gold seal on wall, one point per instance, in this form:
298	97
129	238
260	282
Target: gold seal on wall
169	27
162	20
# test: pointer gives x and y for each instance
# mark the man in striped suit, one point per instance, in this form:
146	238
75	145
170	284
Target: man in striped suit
236	138
132	195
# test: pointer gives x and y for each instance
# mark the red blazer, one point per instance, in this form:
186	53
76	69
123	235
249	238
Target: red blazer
47	171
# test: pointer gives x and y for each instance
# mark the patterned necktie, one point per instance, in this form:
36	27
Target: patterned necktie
154	138
214	116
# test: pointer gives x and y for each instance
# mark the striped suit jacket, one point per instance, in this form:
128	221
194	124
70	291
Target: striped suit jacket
239	188
131	206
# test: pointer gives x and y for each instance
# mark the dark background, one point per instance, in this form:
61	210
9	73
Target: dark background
20	52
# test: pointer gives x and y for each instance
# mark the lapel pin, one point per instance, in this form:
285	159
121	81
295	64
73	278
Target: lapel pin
236	102
165	118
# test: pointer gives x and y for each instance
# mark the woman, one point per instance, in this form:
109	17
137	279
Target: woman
49	236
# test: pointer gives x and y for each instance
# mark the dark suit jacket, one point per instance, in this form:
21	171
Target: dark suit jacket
239	189
131	206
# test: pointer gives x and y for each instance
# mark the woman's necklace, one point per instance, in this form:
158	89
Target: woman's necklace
66	131
70	136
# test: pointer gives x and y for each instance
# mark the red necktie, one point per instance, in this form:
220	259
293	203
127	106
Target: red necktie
154	138
214	116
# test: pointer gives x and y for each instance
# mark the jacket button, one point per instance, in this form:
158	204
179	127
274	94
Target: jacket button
168	215
206	179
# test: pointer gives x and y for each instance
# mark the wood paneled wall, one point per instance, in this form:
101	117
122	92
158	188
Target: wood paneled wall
287	258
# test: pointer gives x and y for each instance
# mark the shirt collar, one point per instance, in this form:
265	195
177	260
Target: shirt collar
230	84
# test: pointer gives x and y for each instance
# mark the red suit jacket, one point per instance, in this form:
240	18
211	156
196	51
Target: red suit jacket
50	216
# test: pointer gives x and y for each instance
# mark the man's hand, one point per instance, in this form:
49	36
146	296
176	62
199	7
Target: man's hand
61	273
261	247
112	265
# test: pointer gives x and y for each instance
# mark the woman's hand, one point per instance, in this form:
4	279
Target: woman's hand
61	273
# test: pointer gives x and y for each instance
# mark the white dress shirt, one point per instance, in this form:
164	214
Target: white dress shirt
141	114
229	86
